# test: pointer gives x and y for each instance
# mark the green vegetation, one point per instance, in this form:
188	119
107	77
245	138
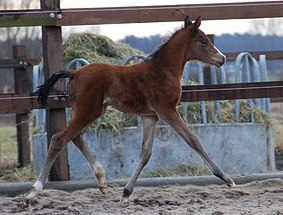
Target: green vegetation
179	170
8	146
18	175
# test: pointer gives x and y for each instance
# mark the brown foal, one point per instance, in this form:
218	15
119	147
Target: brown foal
151	89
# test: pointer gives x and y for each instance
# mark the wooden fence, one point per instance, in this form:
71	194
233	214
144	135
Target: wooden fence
51	18
22	68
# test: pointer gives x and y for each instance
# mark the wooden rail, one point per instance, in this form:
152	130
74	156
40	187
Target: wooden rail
270	55
23	102
140	14
52	17
232	91
22	63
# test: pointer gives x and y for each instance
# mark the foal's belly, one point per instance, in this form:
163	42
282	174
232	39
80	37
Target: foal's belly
131	107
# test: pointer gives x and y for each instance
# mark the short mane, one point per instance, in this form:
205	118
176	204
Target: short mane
165	42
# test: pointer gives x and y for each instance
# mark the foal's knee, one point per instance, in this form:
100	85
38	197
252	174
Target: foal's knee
145	155
57	142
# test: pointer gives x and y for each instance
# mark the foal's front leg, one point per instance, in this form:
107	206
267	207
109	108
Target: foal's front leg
172	117
148	126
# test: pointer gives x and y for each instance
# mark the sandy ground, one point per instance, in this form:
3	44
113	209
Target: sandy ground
256	198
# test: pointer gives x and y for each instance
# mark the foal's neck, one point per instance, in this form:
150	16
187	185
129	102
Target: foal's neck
173	56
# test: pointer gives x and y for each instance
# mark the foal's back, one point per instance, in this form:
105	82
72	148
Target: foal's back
127	88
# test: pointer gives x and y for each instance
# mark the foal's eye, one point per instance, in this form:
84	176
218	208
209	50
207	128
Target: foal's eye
203	42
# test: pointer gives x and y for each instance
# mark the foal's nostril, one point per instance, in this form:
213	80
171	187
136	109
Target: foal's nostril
223	61
224	58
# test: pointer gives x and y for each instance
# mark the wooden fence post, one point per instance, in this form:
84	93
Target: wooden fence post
53	62
23	84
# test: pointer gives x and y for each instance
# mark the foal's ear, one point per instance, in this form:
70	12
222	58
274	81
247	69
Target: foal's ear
188	21
197	24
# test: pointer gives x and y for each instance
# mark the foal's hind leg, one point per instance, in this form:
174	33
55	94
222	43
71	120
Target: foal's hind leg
148	126
58	142
172	117
80	120
99	171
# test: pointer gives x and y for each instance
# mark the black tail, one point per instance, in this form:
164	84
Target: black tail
44	89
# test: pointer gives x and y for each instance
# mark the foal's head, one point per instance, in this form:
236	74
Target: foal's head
201	48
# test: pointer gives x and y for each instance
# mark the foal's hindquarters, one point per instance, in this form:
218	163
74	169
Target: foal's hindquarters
86	108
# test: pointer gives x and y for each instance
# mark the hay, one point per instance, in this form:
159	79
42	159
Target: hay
114	119
227	112
96	48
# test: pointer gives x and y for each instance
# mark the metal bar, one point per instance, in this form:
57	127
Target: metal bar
263	71
140	14
214	81
201	82
186	82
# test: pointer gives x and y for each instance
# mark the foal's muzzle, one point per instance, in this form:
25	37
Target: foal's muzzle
220	63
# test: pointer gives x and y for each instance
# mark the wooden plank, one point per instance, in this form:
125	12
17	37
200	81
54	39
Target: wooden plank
141	14
276	100
25	18
270	55
53	62
10	63
23	84
21	103
22	63
232	91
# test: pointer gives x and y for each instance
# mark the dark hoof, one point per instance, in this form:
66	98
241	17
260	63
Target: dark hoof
103	190
26	203
231	183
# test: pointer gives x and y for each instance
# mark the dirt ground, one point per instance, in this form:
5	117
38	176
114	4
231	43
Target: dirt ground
255	198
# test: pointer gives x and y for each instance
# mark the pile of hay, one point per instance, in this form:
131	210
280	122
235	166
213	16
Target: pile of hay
97	48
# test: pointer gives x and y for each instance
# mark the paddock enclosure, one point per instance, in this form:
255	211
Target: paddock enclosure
256	197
